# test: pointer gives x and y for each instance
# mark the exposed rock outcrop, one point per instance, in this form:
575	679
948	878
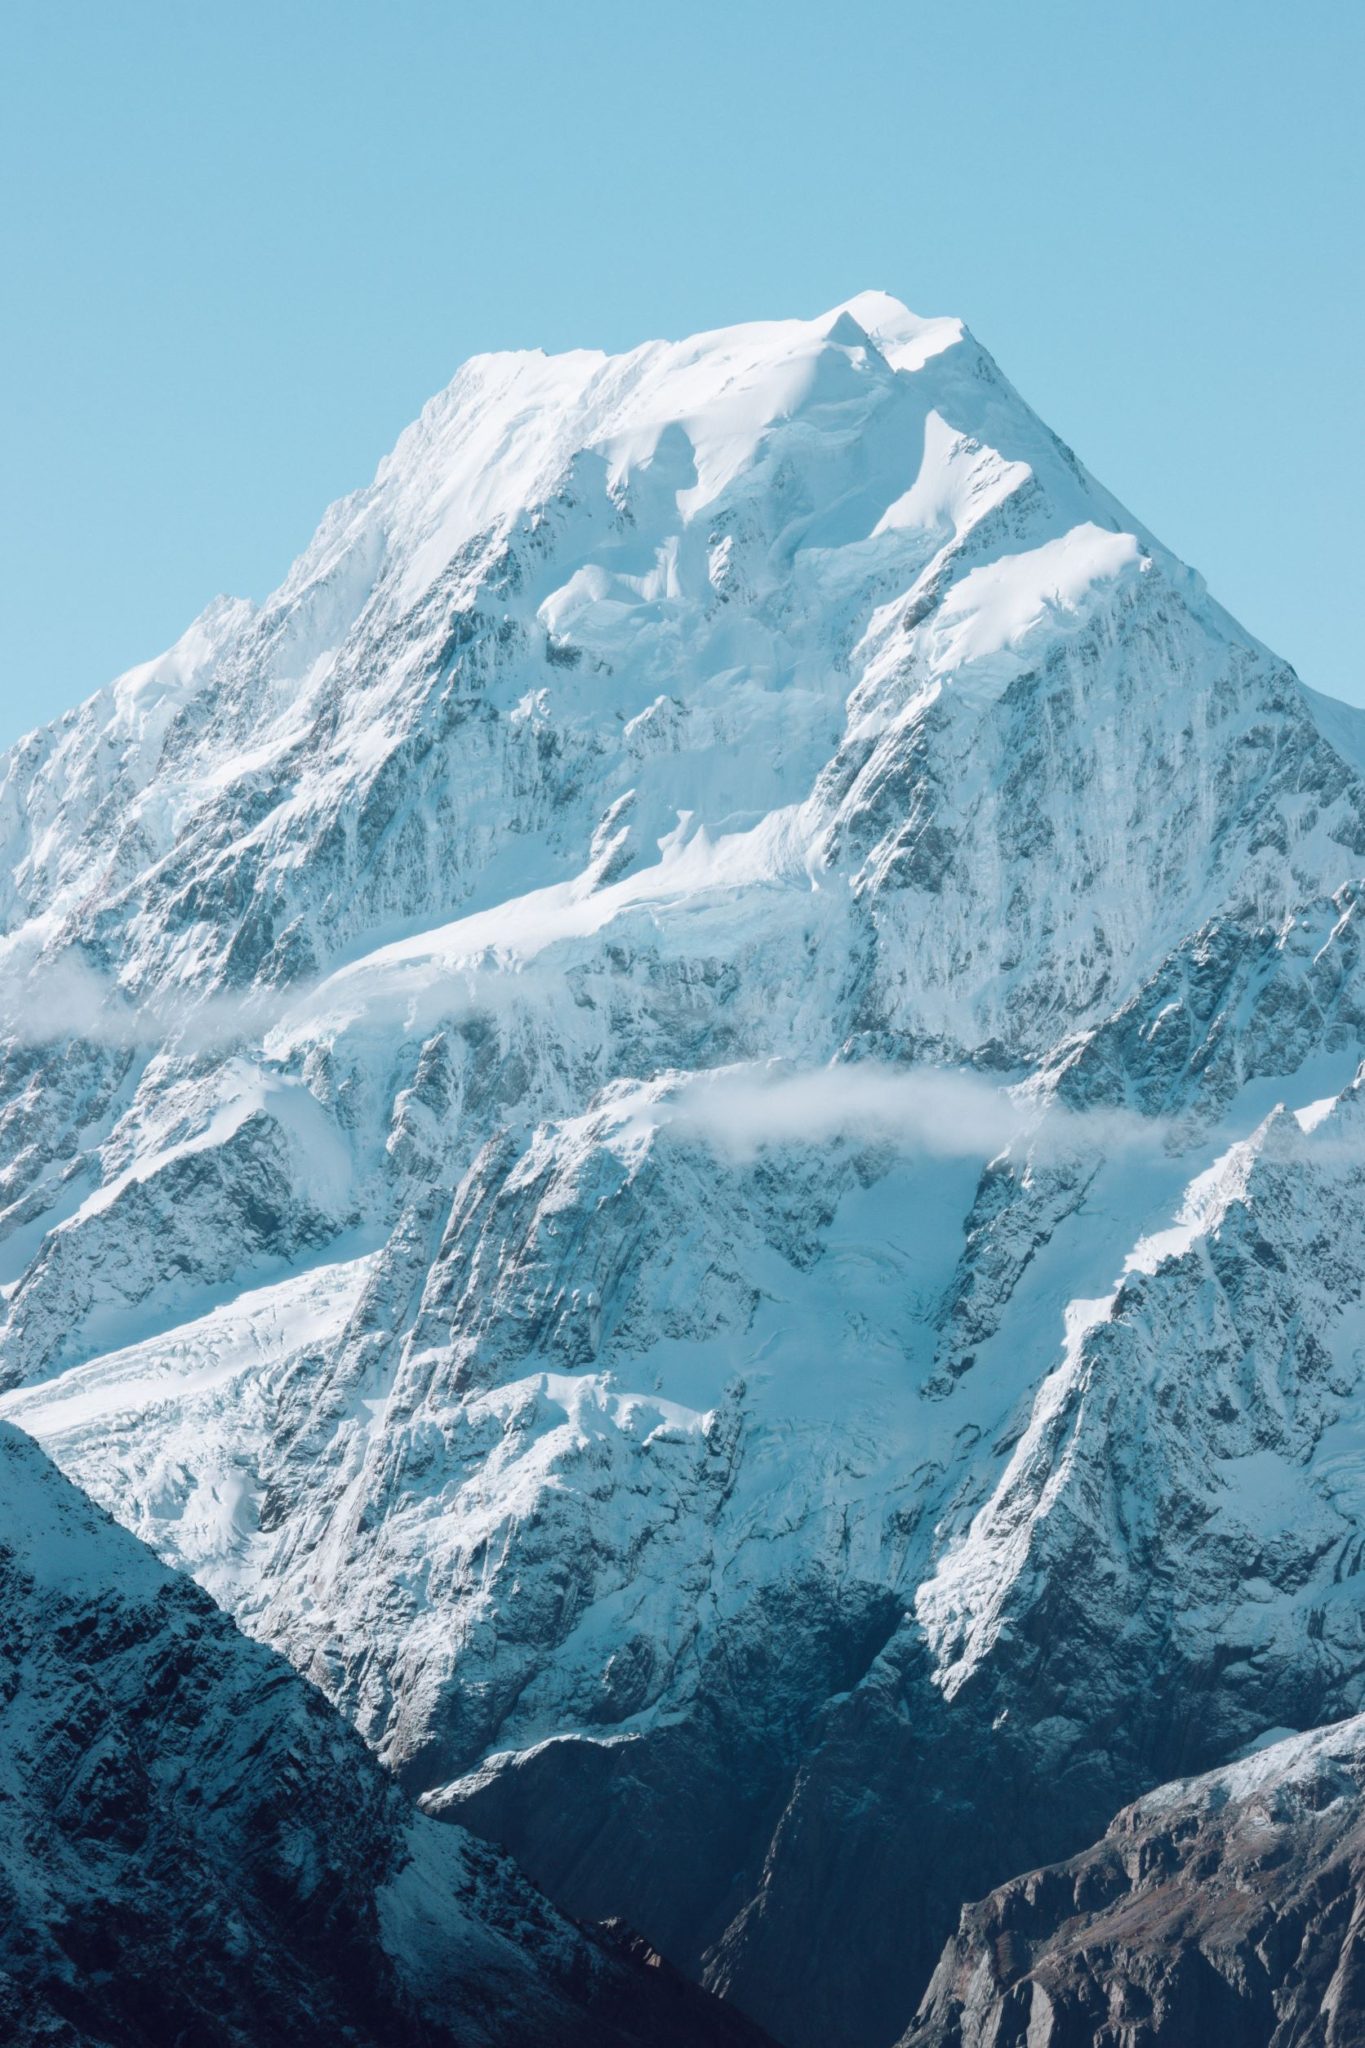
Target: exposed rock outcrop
1227	1910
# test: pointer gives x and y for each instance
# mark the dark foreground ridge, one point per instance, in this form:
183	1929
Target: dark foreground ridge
1227	1910
195	1848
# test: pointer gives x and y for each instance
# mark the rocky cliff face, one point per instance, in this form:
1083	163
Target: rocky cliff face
195	1847
689	1120
1225	1909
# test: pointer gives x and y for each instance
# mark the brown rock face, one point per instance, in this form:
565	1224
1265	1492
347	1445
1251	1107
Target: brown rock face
1226	1911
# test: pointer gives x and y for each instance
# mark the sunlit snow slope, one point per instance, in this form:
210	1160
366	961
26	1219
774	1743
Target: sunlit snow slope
688	1120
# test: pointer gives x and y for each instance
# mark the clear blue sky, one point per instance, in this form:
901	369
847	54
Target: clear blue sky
242	243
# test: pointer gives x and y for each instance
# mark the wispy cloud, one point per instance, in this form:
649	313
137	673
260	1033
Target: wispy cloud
945	1113
942	1112
949	1113
48	1001
53	999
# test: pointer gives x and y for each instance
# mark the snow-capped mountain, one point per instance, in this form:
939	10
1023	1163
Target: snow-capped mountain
194	1847
689	1120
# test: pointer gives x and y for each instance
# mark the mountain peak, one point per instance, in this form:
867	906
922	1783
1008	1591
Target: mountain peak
907	338
843	328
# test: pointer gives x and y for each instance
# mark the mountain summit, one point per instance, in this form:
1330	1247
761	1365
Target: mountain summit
689	1120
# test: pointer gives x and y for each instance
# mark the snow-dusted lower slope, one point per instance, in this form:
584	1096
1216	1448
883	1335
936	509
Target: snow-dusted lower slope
1228	1908
196	1847
689	1121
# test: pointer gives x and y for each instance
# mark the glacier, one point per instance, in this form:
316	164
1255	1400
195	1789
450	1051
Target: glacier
690	1120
